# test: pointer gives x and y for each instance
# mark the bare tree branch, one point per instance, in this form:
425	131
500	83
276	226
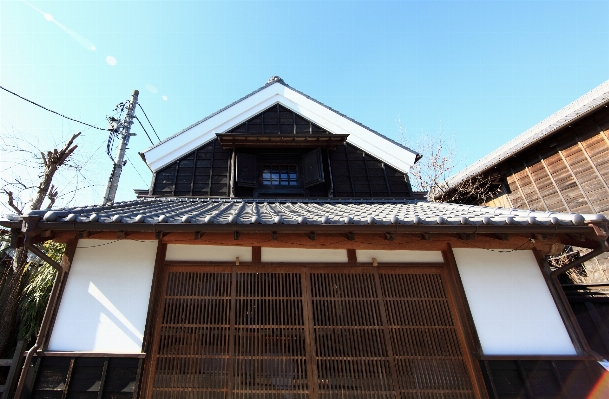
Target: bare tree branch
11	202
432	171
52	161
52	196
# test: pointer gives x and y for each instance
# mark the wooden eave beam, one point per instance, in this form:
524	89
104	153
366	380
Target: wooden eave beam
550	231
240	140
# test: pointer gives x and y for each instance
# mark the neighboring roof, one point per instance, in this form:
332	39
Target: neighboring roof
273	92
338	212
587	103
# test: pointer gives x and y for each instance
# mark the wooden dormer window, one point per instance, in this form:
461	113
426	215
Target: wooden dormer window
280	175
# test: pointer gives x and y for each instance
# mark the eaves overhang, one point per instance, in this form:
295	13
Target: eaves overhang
331	215
319	228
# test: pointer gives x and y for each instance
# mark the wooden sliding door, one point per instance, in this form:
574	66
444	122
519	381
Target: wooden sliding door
299	332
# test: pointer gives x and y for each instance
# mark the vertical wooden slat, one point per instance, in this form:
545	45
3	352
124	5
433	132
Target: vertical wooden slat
386	179
543	162
559	379
331	188
525	380
534	183
520	188
175	178
581	189
64	394
194	168
256	254
211	166
231	342
349	168
157	337
489	372
102	381
382	307
232	174
592	164
352	256
367	173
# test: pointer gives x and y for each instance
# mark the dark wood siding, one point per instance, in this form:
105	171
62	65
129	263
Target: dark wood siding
358	174
86	377
204	172
531	379
350	171
278	119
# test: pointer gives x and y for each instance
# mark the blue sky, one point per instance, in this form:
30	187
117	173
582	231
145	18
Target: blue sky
484	71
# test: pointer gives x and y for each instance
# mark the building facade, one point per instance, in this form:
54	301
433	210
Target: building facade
280	253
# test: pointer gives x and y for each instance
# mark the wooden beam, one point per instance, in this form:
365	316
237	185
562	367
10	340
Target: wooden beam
194	168
581	189
520	188
554	183
535	186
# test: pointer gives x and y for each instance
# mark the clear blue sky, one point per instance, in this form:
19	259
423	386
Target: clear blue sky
486	71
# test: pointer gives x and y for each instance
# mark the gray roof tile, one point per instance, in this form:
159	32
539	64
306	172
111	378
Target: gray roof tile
313	212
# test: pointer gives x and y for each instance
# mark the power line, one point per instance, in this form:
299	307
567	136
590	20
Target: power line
157	136
50	110
136	171
138	121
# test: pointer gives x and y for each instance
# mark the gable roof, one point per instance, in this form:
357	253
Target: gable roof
273	92
589	102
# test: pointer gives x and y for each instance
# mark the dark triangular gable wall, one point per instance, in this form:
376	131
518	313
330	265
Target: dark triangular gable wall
202	173
278	119
351	172
356	173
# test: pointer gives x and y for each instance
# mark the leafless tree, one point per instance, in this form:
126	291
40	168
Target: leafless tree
49	163
437	165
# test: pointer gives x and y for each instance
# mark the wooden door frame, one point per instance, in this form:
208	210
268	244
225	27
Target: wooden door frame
464	326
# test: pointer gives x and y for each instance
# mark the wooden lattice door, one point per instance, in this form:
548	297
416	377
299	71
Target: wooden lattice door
251	332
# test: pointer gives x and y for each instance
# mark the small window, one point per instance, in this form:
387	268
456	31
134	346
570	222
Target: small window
280	175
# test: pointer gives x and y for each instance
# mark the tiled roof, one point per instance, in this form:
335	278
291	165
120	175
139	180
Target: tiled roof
315	212
587	103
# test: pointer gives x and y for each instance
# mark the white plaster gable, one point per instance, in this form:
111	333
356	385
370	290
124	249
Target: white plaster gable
186	141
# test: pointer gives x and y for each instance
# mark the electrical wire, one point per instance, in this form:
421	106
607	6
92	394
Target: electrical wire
138	121
136	171
157	136
50	110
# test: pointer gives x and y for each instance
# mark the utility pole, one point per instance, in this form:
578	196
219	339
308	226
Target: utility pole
125	134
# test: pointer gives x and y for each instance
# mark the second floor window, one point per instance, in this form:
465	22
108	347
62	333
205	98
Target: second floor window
279	175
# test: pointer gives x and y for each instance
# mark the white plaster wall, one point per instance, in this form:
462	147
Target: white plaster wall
105	301
208	253
511	304
398	256
303	255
